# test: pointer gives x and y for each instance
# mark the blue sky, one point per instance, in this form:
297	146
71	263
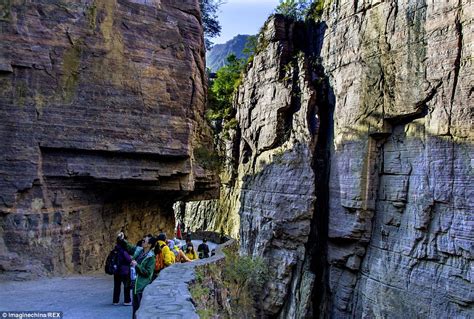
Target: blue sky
243	17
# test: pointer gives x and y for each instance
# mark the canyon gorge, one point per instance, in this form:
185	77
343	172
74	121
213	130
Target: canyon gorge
349	169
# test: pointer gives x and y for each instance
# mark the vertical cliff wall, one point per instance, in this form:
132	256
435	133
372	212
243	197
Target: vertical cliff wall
352	161
268	187
101	110
400	234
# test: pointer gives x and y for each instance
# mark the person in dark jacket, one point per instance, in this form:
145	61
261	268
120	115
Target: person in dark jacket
203	249
122	275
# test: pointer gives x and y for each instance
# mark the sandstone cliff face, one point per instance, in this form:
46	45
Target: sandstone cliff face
101	110
353	175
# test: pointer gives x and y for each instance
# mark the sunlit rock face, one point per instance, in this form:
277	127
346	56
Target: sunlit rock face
101	109
267	194
400	230
351	165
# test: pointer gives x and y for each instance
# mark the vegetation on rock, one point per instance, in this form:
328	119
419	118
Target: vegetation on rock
221	93
301	10
216	57
230	288
208	158
295	9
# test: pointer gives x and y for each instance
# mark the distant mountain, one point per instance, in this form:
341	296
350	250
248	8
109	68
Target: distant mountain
216	57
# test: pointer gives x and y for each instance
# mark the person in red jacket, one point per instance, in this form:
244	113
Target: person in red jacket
178	231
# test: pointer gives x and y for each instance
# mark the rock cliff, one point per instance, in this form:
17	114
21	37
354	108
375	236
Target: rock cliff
101	111
351	168
400	230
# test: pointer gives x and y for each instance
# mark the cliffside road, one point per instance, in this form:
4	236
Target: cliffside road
77	297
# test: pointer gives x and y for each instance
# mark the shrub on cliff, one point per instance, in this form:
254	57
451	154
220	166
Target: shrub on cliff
294	9
222	88
301	10
231	288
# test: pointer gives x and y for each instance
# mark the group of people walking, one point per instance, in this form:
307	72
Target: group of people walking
136	266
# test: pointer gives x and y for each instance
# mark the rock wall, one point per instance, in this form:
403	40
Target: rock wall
277	115
400	231
101	111
216	215
268	185
198	215
351	168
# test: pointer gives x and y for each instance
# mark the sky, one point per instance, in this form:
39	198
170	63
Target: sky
243	17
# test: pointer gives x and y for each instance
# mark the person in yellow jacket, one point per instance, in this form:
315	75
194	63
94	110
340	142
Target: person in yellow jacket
168	256
191	253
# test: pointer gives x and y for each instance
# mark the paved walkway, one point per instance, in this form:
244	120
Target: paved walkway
168	297
78	297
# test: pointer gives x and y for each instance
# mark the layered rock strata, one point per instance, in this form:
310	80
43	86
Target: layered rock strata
352	174
400	231
101	111
268	186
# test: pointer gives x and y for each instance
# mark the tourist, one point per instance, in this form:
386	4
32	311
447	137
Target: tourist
178	231
179	255
168	257
191	253
138	254
144	270
177	243
172	247
159	261
138	251
144	266
182	258
203	249
122	275
188	242
139	244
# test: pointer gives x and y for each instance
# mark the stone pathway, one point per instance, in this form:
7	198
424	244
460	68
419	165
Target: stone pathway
168	297
90	296
78	297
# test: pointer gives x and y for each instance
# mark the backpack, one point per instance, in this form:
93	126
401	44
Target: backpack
160	261
112	262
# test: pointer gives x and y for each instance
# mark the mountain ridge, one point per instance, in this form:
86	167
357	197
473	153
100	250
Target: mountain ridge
217	55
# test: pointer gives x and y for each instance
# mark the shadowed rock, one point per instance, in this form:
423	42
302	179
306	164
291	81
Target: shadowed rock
101	107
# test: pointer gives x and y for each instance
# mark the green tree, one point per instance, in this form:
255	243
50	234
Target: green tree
294	9
251	46
212	27
222	88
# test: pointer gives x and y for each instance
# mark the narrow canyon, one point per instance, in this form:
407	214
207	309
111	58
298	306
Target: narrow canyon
349	168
